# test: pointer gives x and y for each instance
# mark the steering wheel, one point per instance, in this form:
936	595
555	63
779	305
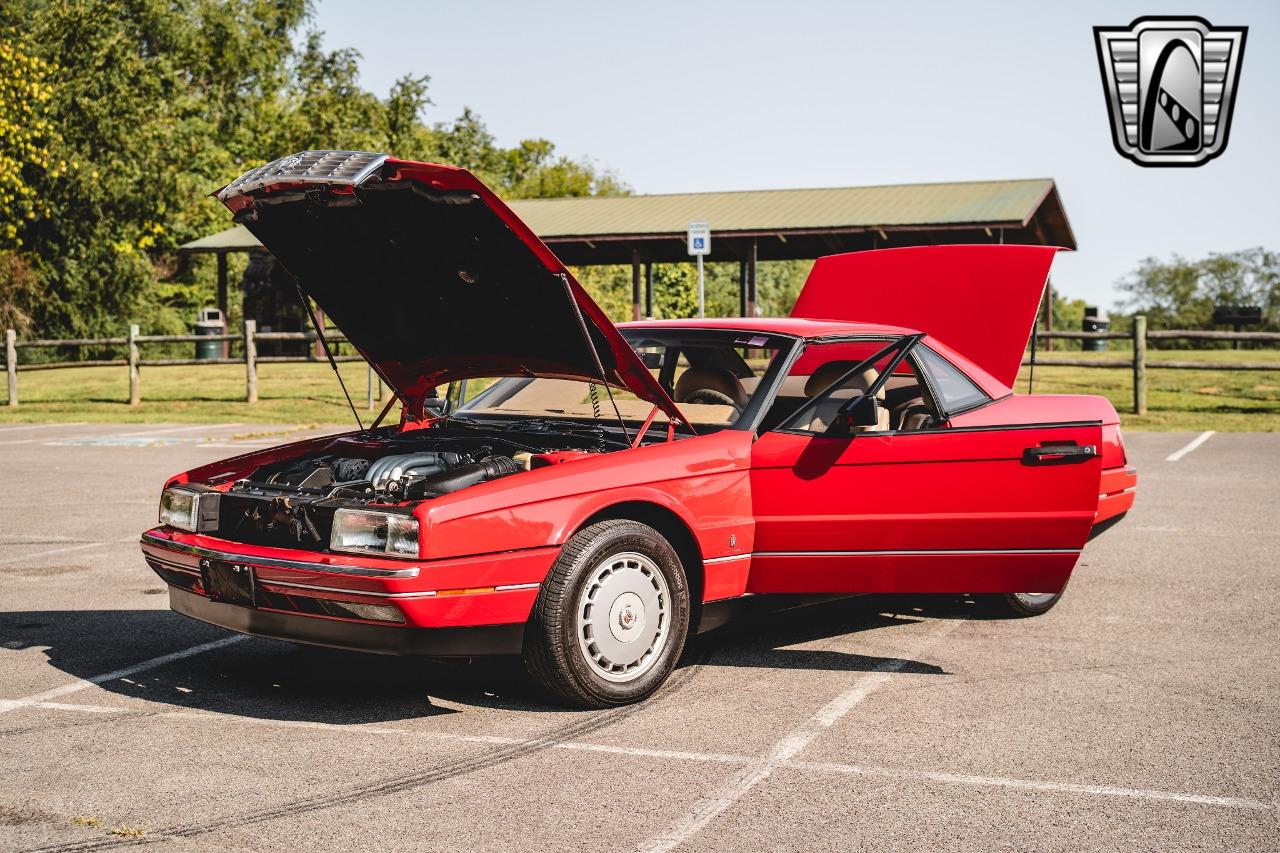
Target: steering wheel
711	397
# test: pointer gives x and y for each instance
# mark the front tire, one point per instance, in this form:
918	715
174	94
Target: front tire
611	618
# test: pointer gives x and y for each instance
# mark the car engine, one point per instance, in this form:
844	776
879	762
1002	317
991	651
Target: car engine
292	503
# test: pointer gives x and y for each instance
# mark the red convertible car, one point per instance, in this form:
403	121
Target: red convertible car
585	494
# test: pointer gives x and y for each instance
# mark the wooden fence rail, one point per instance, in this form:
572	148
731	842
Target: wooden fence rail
134	361
251	337
1138	362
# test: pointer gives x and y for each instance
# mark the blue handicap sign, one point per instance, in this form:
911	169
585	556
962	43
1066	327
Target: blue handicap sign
699	242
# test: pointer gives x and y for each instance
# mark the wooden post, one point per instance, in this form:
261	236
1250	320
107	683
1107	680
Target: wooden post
135	378
251	361
222	299
1048	314
751	280
635	285
742	287
1140	364
11	363
648	290
317	348
370	383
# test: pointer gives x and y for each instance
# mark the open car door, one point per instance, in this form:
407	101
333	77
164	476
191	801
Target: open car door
945	509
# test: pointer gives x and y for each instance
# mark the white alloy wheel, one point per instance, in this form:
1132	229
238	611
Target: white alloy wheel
623	617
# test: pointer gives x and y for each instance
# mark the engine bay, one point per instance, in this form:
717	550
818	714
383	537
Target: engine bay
291	503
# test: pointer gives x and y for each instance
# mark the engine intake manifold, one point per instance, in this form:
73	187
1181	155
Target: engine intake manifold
407	466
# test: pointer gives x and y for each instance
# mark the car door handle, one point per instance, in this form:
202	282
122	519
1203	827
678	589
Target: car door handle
1059	454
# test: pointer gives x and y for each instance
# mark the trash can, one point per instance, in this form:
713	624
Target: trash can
209	321
1095	321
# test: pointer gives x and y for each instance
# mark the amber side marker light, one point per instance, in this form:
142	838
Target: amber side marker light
471	590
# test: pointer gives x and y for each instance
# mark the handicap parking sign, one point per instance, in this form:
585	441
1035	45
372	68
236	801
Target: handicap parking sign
699	238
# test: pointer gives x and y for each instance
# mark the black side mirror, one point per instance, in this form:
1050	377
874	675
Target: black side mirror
651	360
860	411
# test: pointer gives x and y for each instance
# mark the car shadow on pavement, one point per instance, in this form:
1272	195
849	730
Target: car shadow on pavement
767	639
267	679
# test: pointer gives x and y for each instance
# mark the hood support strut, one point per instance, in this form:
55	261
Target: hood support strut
328	353
595	355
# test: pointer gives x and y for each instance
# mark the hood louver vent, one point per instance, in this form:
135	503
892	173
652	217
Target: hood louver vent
349	168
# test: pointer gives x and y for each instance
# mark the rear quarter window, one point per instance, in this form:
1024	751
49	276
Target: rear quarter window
955	391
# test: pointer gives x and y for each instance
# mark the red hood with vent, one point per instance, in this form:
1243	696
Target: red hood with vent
430	275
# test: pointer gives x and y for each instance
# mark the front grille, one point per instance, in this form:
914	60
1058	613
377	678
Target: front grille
176	575
276	600
274	521
189	579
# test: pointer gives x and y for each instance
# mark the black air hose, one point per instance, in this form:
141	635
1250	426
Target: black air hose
463	476
346	470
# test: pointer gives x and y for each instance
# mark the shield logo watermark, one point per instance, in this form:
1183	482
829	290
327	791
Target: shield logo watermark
1170	84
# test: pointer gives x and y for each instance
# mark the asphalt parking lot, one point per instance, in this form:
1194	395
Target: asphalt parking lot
1143	713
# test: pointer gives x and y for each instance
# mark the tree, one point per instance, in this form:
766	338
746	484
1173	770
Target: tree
118	117
1182	293
26	160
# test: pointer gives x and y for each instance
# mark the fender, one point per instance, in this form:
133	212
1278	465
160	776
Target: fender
703	480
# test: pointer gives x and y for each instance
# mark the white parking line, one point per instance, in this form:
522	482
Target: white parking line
42	439
237	445
788	747
94	681
22	558
1033	785
706	757
168	430
39	426
1190	446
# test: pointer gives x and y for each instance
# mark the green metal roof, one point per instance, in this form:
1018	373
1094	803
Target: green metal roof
979	202
235	239
800	223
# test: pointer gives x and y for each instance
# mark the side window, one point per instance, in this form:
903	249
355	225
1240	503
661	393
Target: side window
799	384
825	369
955	391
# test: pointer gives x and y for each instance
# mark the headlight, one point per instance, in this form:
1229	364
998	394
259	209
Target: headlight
366	532
189	509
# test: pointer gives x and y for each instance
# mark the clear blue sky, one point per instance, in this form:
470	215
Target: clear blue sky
686	97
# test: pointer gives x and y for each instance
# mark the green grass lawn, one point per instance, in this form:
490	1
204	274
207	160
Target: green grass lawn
287	393
309	394
1176	399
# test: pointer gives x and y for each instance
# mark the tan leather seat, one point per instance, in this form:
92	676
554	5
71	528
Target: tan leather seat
699	379
917	413
826	412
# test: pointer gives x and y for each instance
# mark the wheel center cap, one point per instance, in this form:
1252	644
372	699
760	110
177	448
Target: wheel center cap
626	617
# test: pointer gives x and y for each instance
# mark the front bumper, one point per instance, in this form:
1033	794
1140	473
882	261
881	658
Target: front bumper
351	634
456	607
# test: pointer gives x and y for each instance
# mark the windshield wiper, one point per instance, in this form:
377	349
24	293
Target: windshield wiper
541	426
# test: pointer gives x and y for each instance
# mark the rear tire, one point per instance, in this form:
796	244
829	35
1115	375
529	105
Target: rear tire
611	617
1020	605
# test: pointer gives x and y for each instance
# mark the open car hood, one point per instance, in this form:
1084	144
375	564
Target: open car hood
429	275
979	300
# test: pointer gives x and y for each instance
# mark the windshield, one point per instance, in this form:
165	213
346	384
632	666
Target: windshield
712	374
